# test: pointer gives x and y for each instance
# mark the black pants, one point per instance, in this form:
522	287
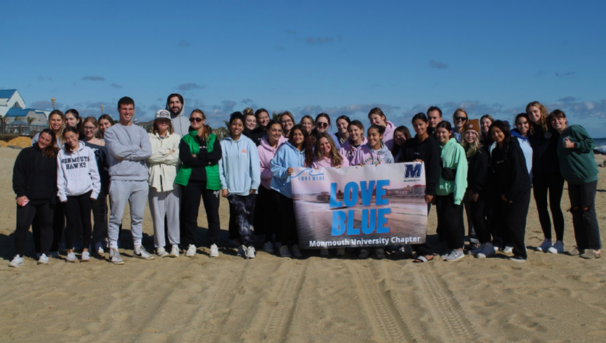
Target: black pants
58	226
582	206
99	207
268	216
471	229
424	249
476	217
450	219
40	214
289	224
77	213
190	204
552	184
241	215
510	222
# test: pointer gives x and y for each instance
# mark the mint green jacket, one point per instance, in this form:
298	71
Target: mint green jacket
453	156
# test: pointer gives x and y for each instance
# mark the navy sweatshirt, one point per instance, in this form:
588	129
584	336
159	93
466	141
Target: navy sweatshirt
429	152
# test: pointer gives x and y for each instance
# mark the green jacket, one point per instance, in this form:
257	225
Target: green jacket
453	156
577	165
213	181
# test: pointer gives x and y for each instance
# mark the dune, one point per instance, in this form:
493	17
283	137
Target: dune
551	298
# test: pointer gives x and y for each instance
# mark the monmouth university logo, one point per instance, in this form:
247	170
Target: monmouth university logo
413	171
308	175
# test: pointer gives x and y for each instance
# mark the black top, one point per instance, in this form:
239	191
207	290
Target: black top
34	175
544	151
202	160
257	135
429	152
477	171
101	155
509	165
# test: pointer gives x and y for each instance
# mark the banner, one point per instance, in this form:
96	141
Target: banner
363	206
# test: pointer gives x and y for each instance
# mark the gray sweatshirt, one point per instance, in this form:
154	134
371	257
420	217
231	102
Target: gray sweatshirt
129	148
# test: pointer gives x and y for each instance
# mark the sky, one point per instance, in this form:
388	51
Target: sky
308	57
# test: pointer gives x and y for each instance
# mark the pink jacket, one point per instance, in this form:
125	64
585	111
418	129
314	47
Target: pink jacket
388	135
326	163
348	151
266	154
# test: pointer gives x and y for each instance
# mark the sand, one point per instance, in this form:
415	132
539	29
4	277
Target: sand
551	298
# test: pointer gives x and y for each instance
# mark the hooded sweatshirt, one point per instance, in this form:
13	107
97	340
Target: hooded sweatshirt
287	156
77	173
179	121
526	149
366	155
34	175
266	154
326	162
163	161
239	168
129	148
577	164
390	128
427	151
511	175
349	151
453	157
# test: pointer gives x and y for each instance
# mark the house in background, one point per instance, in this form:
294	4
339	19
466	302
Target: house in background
13	107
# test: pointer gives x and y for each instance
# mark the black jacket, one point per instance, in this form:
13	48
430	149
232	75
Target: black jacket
257	135
509	165
202	160
429	152
477	171
544	151
34	175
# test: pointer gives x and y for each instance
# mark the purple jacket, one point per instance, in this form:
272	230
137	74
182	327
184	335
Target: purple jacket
266	154
388	135
348	151
326	163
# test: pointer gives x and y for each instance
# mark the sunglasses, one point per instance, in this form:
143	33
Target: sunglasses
461	118
322	124
197	120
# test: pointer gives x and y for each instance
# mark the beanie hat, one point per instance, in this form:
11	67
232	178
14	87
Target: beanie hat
473	124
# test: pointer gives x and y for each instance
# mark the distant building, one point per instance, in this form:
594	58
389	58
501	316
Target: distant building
13	107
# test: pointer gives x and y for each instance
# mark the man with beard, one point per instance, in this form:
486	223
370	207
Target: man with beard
174	104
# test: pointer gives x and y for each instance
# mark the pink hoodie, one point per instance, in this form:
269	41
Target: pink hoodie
388	135
326	163
266	154
348	151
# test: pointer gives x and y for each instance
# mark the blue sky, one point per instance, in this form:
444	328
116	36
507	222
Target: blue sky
341	57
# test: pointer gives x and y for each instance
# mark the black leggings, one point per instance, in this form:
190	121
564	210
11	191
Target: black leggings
510	222
41	215
58	226
267	219
99	207
476	217
289	223
77	211
450	220
190	205
552	184
582	202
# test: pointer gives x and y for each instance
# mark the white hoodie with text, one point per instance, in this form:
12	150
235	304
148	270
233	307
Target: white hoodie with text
77	173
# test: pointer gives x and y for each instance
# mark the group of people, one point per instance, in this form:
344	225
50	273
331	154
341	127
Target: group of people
478	165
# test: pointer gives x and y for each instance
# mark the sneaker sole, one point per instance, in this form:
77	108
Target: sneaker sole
117	262
145	258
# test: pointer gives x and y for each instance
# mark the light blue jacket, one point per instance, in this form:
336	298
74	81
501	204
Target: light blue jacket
286	157
239	167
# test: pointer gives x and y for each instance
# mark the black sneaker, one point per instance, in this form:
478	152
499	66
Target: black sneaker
517	258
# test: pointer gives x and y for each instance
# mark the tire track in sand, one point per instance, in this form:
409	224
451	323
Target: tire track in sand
445	308
386	320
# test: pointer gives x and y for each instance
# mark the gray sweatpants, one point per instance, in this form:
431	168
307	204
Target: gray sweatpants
121	191
167	204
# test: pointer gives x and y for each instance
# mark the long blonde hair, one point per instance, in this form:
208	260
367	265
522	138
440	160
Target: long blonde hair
471	148
544	114
335	158
58	135
207	129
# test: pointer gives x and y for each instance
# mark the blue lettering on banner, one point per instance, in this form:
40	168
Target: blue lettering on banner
413	171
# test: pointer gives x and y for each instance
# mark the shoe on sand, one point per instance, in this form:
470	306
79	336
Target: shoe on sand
557	248
161	252
174	251
284	252
16	262
191	251
114	256
43	259
591	254
268	247
295	251
140	252
545	245
85	256
214	250
455	255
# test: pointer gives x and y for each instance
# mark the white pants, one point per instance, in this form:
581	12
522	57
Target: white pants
167	204
135	193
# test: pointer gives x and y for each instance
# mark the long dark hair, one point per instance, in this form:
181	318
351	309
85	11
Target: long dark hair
51	150
395	149
501	125
80	125
69	129
307	144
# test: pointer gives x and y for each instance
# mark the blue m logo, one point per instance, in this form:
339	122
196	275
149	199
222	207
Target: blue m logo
413	170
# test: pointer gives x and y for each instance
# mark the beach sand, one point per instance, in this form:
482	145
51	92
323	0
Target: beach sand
550	298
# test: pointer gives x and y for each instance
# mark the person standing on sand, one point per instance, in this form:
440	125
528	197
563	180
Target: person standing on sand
35	184
577	163
174	104
129	148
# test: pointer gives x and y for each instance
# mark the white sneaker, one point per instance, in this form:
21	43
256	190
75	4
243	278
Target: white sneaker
340	252
545	245
268	248
71	257
99	248
455	255
324	252
284	252
161	252
85	256
191	251
174	251
114	256
214	251
43	259
507	250
140	252
557	248
16	262
295	251
250	252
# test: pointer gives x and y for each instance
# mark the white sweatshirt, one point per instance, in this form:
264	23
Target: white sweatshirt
77	173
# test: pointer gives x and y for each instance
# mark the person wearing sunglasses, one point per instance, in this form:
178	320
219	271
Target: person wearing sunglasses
459	118
200	152
322	126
